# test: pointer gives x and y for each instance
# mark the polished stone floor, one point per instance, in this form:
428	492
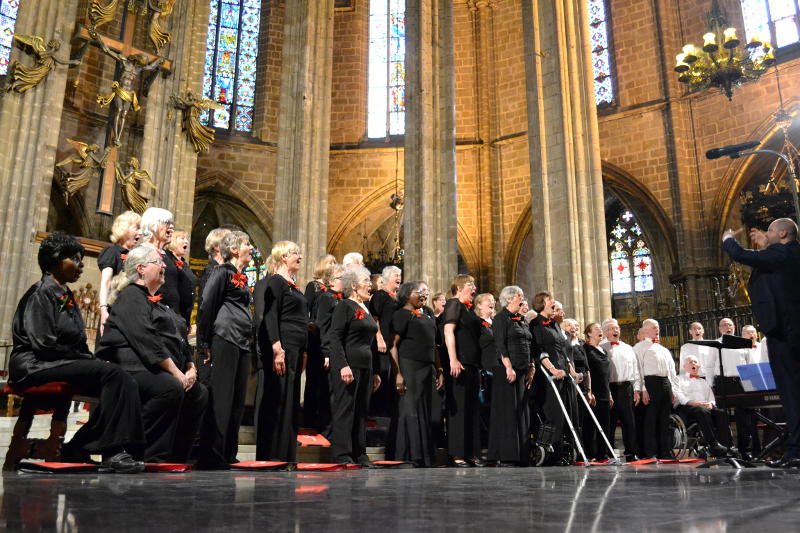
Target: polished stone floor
650	498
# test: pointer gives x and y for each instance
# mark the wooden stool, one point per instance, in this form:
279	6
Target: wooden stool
55	396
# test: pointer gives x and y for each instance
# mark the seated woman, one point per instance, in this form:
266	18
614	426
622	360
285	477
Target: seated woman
50	345
143	337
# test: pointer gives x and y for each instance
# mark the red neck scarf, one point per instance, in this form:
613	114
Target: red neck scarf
694	376
292	284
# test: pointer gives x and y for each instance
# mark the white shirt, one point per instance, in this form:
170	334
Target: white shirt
706	356
732	358
693	390
759	353
622	364
655	360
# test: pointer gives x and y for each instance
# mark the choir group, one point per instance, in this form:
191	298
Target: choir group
492	381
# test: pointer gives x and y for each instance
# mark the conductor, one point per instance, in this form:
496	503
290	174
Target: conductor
774	288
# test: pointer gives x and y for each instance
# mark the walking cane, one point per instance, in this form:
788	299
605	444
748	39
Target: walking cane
566	416
596	423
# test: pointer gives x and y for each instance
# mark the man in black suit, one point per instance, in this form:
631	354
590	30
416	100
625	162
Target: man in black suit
774	288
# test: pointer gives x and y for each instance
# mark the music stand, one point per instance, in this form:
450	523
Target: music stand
730	342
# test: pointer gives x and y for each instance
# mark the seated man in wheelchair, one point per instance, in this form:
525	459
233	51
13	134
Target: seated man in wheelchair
696	403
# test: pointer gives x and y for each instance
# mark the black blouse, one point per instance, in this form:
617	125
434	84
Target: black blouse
140	333
312	292
48	331
177	290
226	309
382	306
204	279
351	335
467	333
111	257
599	368
577	356
490	358
285	314
325	303
513	338
549	342
417	335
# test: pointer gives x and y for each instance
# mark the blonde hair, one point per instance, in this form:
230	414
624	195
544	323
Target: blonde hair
480	298
130	273
174	242
323	263
282	249
330	274
213	239
459	281
122	224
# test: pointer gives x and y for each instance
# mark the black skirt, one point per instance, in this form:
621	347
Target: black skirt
410	433
510	420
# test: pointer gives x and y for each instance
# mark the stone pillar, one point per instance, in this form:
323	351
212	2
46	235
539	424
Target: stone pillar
301	183
566	178
429	218
29	126
166	150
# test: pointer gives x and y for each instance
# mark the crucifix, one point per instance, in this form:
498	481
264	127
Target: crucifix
131	63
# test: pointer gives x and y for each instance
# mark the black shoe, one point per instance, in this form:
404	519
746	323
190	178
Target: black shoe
461	463
72	454
366	463
718	450
786	461
122	463
477	462
631	457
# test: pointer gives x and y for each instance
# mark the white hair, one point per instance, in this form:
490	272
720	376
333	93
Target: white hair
350	279
608	322
353	259
151	219
649	322
388	271
507	293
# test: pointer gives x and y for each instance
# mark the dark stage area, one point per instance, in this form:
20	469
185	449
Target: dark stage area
653	498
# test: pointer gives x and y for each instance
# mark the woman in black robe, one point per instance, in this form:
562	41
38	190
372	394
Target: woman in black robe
224	340
282	337
353	372
513	375
143	337
462	330
414	360
50	345
598	393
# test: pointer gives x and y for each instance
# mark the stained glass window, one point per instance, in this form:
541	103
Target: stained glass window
8	18
231	54
256	270
630	258
777	21
602	49
386	106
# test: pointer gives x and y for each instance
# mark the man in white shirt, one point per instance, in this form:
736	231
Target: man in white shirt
657	368
625	384
696	402
706	355
758	353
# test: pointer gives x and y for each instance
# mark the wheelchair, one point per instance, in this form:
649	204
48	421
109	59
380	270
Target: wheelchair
543	446
687	439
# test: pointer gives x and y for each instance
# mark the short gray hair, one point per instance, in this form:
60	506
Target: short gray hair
389	270
232	240
350	279
507	293
649	322
213	239
353	259
608	322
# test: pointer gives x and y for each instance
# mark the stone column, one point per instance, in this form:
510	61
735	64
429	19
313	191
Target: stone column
429	218
566	177
166	150
301	183
29	126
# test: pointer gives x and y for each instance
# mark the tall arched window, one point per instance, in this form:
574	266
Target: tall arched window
386	105
629	256
602	49
231	54
8	18
777	21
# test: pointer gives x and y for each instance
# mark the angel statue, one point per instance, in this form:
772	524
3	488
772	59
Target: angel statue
29	77
201	135
89	159
100	14
129	183
160	9
122	93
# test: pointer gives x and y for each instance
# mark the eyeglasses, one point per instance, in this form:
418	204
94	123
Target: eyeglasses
158	262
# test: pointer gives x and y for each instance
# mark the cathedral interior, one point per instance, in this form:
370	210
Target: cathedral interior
547	144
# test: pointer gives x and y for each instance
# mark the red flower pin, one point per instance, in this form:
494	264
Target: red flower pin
359	314
239	280
155	299
417	313
323	288
468	304
546	322
516	318
485	324
66	301
337	295
179	264
123	256
292	284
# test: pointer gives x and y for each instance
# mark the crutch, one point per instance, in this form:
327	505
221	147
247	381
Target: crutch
594	418
567	418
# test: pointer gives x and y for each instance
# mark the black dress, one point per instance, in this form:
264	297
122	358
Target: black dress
410	437
139	334
225	324
382	306
549	343
316	397
463	422
278	397
178	290
599	367
510	421
112	257
50	345
350	338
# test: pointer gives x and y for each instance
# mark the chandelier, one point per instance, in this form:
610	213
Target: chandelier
721	62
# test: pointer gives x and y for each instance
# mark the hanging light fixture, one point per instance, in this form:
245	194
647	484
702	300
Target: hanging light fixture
722	62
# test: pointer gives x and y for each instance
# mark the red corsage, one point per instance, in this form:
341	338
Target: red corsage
546	322
323	288
359	314
516	318
485	324
179	264
292	284
123	256
337	295
417	313
155	299
66	301
239	280
469	305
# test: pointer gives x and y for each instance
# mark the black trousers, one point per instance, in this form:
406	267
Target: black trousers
747	439
592	438
219	440
622	393
278	408
656	417
713	423
117	421
349	407
510	420
171	416
783	359
463	414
